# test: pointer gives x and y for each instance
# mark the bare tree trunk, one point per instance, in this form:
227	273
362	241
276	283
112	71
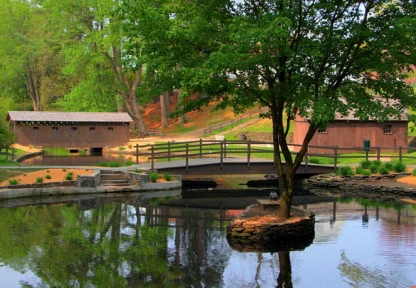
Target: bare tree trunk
164	108
181	118
32	86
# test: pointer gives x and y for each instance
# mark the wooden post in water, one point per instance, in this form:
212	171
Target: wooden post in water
137	153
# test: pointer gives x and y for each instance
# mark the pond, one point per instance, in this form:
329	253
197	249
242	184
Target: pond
134	241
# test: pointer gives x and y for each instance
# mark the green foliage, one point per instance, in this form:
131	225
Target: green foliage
69	176
39	180
139	170
13	182
167	176
383	170
109	164
315	160
365	164
48	176
129	163
399	167
344	171
121	148
153	176
376	163
373	168
388	165
360	170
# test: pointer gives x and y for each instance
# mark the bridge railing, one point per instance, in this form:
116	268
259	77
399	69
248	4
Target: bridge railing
250	150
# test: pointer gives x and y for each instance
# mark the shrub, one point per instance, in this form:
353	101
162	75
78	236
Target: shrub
414	172
376	163
383	170
64	170
399	167
344	171
48	176
138	171
121	148
360	170
388	165
314	160
153	177
114	164
39	180
69	177
373	169
130	146
129	163
365	164
167	176
13	182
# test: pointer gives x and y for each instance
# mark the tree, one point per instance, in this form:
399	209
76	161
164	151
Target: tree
93	45
314	58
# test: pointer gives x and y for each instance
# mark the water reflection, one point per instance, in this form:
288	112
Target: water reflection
134	241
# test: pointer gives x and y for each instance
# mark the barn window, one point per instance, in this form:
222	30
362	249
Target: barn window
110	128
387	129
74	128
35	128
92	128
322	130
54	128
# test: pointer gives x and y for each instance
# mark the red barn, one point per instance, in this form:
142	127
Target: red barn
69	129
349	132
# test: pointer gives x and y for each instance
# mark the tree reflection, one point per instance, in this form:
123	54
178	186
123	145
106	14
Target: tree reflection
285	273
113	245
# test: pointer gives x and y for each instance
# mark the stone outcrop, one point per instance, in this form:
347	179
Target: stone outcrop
382	187
295	233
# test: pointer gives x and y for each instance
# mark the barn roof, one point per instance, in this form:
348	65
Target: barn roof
68	116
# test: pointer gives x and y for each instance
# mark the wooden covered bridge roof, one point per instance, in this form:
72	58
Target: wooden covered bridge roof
44	116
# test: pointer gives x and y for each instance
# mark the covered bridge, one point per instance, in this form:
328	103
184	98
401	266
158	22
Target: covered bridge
69	129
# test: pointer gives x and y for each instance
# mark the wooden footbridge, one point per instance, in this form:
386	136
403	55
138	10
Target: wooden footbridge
208	157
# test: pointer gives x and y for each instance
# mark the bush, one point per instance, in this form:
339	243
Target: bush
414	172
13	182
376	163
314	160
48	176
399	167
114	164
39	180
153	177
360	170
388	166
69	177
383	170
121	148
365	164
129	163
167	176
373	169
138	171
344	171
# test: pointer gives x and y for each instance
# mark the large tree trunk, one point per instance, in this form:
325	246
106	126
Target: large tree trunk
32	88
164	108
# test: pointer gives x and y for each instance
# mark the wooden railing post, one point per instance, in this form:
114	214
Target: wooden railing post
137	153
378	153
225	148
152	154
335	157
400	154
168	151
187	158
13	151
200	148
221	155
248	152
